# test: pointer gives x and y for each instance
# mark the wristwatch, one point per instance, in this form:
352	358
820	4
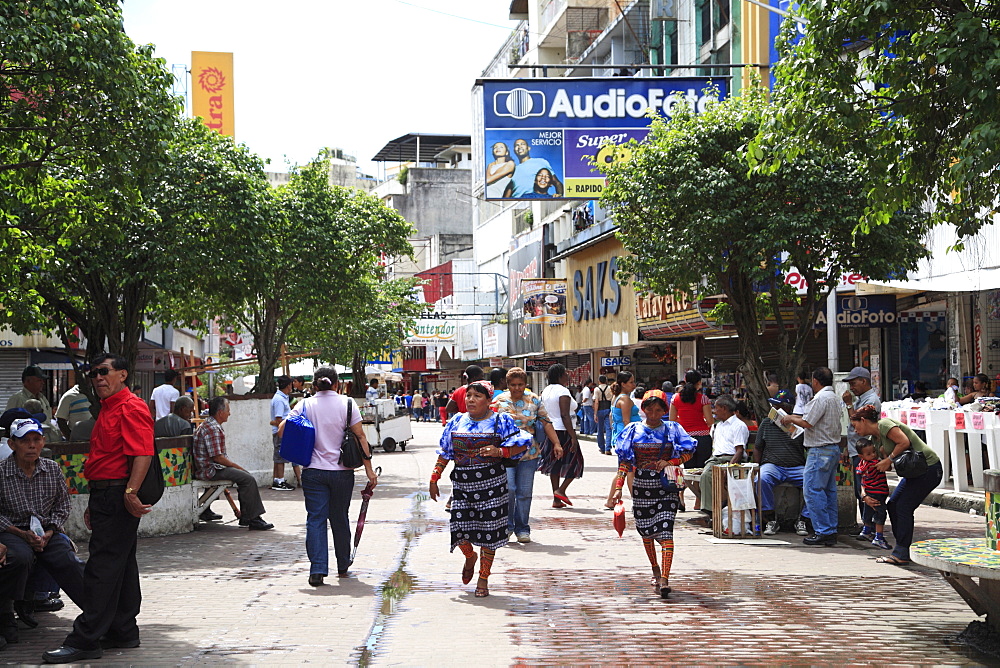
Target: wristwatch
130	490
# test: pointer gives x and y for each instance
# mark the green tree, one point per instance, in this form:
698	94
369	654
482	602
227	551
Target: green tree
311	277
109	259
697	222
912	89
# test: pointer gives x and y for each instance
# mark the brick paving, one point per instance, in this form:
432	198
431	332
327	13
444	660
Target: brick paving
577	595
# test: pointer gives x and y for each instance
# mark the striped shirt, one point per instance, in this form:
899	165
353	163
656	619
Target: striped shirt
872	480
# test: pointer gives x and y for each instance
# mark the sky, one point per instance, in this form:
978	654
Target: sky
310	74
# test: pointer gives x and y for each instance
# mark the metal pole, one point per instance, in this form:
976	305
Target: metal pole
778	11
832	352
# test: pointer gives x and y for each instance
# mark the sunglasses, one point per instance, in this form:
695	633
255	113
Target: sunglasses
98	371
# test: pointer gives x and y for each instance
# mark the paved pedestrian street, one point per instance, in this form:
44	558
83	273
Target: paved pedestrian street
577	594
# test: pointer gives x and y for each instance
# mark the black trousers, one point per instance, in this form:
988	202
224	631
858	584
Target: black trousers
58	559
111	594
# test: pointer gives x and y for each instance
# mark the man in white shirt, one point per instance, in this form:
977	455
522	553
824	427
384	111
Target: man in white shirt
161	402
589	425
372	393
729	439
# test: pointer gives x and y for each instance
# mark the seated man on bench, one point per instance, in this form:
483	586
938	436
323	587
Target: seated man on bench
211	463
34	505
782	459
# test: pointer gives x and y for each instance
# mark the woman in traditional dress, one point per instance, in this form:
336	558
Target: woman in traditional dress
649	447
478	441
623	412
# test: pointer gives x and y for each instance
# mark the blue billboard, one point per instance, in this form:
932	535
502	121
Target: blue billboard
541	134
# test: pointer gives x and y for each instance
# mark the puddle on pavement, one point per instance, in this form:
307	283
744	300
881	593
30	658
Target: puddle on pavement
399	583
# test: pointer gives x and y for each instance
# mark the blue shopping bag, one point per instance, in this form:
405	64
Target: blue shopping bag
298	439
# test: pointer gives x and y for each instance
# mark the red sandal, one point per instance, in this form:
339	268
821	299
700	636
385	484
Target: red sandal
563	498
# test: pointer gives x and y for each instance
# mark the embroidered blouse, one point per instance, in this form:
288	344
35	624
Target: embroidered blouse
639	444
463	436
526	411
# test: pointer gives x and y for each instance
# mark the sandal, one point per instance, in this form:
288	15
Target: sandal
482	590
556	503
563	498
890	559
469	569
665	591
655	579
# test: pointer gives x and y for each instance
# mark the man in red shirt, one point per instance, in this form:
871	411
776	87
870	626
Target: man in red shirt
457	402
121	451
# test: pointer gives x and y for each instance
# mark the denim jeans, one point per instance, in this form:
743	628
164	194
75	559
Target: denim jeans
603	429
908	495
819	487
328	498
771	475
520	481
589	425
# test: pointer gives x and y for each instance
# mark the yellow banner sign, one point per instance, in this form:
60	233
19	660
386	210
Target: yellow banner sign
212	90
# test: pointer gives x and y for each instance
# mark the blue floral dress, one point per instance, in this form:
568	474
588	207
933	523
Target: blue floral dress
479	499
642	446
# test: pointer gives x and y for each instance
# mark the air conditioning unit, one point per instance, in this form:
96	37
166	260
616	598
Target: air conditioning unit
663	10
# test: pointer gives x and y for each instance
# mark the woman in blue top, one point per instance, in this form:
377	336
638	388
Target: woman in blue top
649	447
622	389
478	441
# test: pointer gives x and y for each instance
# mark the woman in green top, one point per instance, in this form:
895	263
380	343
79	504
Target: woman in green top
892	438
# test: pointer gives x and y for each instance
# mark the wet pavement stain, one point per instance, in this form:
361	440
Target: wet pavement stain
399	583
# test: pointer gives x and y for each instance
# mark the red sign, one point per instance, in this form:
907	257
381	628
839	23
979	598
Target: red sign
959	420
918	419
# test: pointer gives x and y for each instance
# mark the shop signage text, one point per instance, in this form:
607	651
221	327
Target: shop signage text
867	311
539	365
588	293
432	331
616	361
660	306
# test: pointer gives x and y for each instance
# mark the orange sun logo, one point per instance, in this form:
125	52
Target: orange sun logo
212	80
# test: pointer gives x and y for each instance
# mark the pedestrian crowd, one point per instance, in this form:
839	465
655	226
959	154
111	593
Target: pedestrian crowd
497	433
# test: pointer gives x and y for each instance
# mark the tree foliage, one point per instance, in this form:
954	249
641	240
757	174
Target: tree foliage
311	275
697	222
911	88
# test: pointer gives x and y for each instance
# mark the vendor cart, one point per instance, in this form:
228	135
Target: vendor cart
384	428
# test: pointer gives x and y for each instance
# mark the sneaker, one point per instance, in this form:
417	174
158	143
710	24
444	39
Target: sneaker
523	538
865	534
824	540
772	528
282	486
881	542
801	528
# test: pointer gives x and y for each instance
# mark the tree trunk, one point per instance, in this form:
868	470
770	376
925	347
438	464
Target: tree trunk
264	332
743	302
358	374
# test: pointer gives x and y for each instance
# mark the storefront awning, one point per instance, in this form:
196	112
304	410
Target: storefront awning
963	281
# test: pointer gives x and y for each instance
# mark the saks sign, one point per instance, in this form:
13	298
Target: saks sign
431	332
590	299
867	311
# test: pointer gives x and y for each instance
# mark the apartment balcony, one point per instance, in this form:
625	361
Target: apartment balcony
558	17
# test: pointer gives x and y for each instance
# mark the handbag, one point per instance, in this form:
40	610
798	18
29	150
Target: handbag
298	439
910	464
352	456
671	477
151	489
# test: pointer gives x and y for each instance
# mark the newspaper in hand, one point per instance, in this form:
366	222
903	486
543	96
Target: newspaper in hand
794	431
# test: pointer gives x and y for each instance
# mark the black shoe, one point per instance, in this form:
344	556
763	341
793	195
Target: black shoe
111	643
259	525
208	515
25	613
826	540
51	604
316	580
67	654
8	627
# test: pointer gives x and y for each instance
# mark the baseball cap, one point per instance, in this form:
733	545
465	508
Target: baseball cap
35	371
859	372
22	427
782	397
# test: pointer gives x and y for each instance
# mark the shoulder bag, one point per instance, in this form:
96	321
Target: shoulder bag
910	464
298	439
352	455
671	477
151	489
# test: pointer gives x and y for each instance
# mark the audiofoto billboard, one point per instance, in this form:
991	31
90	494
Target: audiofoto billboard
542	134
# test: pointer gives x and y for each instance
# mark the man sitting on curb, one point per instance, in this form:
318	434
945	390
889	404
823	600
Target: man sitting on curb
212	463
34	505
782	459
